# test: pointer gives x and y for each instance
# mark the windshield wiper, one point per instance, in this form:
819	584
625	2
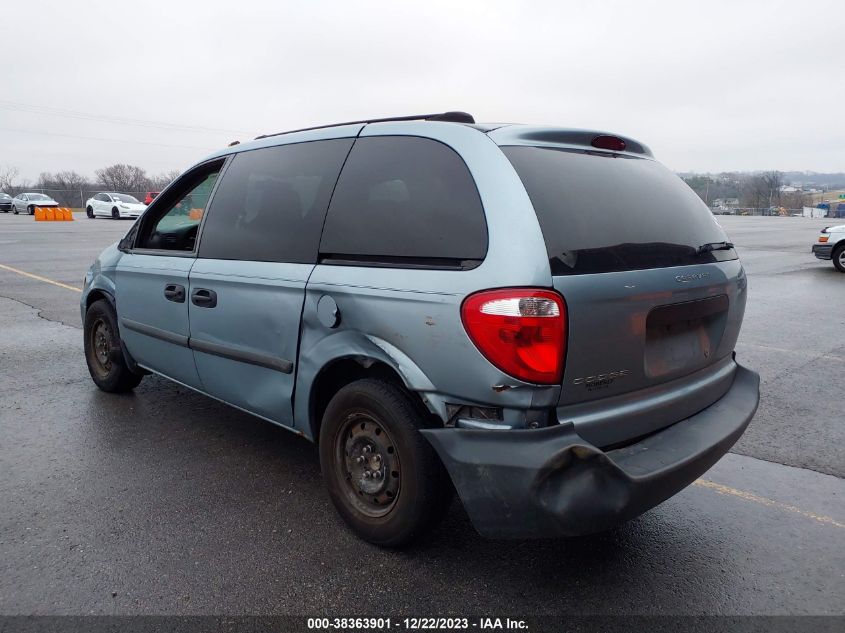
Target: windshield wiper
715	246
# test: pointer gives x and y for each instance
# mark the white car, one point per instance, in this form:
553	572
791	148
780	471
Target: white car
831	245
28	201
114	205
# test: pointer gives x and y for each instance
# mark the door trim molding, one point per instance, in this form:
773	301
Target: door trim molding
154	332
241	355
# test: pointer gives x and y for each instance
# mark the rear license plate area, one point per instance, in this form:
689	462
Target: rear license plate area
683	337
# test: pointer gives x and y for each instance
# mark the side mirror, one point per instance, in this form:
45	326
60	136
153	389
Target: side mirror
128	242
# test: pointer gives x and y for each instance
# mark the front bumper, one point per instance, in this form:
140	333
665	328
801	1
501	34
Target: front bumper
823	251
550	482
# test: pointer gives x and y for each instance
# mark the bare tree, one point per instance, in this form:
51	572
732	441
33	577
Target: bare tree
754	192
772	181
795	200
8	176
70	180
45	181
122	177
761	190
160	181
65	187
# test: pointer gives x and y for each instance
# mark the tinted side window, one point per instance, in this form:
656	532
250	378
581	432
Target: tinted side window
404	198
271	203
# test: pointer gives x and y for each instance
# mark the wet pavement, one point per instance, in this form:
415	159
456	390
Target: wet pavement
166	501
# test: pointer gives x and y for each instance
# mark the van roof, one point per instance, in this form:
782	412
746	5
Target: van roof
500	133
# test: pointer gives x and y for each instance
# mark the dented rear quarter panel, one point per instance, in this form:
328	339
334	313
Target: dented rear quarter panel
411	319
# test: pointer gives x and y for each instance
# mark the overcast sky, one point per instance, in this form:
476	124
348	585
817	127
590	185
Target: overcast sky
710	86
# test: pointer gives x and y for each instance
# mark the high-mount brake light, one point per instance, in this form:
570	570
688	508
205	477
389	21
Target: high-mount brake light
613	143
522	331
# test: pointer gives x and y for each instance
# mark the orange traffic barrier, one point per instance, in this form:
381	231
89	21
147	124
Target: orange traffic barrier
53	214
195	214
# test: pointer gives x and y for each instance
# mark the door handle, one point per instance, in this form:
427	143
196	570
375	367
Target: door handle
174	292
204	298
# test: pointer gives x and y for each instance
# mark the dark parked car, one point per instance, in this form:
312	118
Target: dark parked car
444	305
5	202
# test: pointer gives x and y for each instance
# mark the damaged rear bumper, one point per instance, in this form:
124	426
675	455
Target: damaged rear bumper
550	482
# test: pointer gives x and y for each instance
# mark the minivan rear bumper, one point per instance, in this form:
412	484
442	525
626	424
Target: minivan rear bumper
550	482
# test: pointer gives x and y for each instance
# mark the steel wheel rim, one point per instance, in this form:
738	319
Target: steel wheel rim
367	465
101	347
842	257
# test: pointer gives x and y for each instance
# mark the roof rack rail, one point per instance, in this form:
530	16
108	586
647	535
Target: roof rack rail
452	117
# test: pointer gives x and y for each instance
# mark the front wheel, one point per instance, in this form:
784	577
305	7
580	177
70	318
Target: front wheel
382	475
103	353
90	213
115	214
31	210
839	258
14	210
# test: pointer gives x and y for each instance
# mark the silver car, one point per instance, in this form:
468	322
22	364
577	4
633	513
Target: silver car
540	318
30	201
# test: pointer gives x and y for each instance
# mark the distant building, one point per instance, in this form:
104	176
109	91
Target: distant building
788	189
723	203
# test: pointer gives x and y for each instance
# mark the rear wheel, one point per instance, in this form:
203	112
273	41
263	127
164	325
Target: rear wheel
103	352
382	475
89	212
839	258
115	214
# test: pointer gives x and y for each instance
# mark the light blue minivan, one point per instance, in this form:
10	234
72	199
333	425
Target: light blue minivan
540	318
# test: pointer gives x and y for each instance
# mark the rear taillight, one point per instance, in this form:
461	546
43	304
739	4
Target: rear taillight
522	331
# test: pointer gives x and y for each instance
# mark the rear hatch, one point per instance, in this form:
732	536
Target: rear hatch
655	293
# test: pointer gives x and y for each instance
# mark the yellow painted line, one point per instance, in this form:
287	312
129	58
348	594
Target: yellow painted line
742	494
39	278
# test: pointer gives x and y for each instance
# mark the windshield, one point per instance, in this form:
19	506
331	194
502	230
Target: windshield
37	196
604	213
122	197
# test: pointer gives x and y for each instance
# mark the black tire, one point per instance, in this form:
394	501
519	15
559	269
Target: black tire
115	214
101	338
838	257
90	213
409	465
31	210
14	210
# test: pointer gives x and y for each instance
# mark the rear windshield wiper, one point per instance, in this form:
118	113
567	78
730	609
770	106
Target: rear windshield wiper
715	246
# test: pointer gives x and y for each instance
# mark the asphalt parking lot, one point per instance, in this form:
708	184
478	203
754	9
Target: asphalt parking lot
167	502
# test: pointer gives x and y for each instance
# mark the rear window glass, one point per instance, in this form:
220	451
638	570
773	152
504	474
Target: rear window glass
600	213
405	200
